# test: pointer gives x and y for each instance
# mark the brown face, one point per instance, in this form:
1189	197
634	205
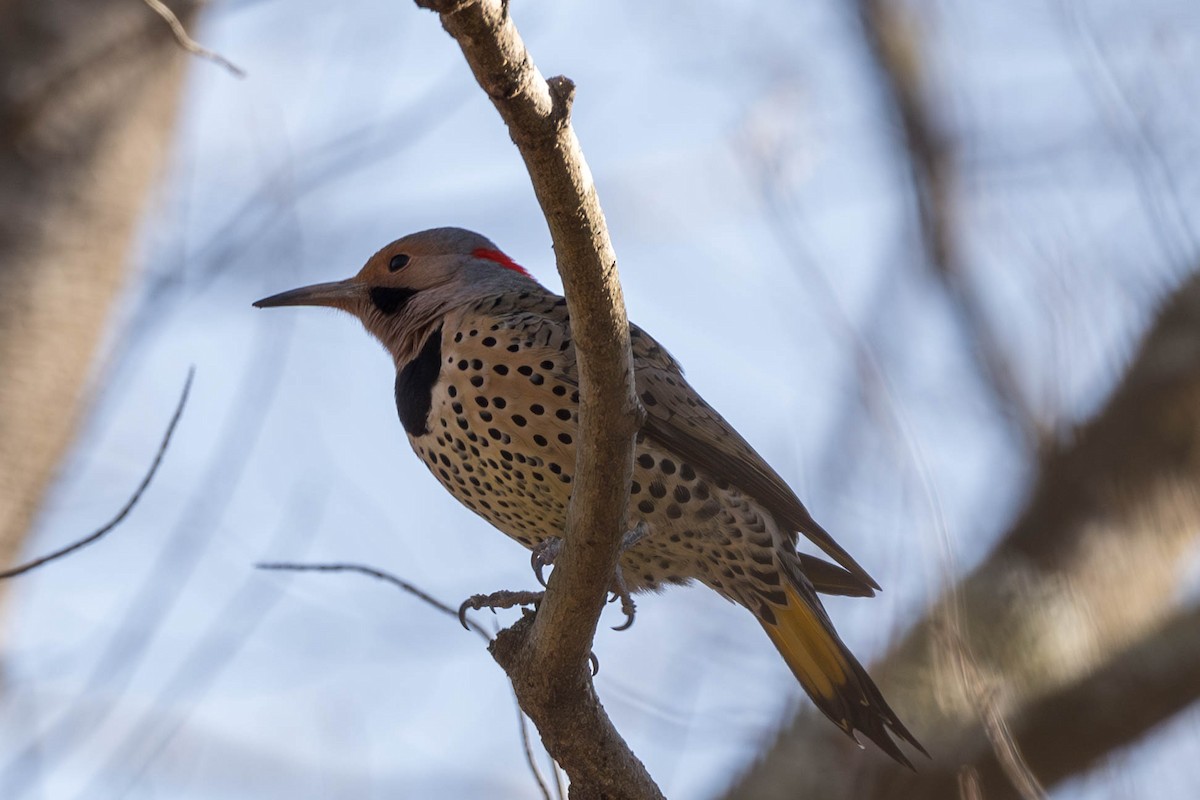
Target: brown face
393	276
388	279
385	279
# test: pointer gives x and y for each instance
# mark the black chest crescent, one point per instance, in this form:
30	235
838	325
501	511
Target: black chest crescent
414	386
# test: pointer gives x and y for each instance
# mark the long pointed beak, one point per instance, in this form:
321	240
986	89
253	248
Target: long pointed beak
336	294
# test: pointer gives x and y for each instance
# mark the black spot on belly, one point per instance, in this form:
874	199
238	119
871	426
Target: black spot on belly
414	386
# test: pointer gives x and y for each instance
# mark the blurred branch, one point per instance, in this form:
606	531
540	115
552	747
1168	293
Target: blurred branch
1133	139
1092	561
129	504
1067	731
546	655
891	42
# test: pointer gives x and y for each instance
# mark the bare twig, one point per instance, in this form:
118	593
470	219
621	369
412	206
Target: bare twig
424	596
1004	747
1070	729
378	574
129	504
968	784
190	44
527	748
546	656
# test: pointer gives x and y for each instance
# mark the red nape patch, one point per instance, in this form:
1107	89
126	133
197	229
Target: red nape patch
501	259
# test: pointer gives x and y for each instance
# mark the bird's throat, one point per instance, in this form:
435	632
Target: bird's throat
414	386
390	300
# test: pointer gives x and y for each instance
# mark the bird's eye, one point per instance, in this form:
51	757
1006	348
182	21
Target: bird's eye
398	262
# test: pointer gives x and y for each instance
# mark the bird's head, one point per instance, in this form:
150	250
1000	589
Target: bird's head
411	282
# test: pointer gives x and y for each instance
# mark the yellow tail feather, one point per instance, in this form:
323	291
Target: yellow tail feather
810	649
833	678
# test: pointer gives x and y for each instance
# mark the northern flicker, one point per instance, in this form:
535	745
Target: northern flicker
487	392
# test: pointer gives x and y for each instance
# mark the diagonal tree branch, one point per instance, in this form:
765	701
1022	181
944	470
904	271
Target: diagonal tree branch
546	655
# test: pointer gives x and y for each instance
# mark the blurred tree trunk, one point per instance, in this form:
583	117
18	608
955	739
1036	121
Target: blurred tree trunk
88	93
1067	639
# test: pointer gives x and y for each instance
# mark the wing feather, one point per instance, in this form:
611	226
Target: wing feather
676	416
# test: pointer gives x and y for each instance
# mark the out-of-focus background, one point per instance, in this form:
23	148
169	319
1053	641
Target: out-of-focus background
937	261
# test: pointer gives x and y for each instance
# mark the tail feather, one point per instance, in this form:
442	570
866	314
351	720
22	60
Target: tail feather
833	678
829	578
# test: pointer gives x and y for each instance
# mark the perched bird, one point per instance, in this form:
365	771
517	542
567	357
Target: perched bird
487	391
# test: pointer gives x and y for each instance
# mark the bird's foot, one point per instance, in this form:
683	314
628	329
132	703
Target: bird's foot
510	599
543	555
501	599
621	590
546	551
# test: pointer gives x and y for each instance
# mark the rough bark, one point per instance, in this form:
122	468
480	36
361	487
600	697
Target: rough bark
88	90
1091	563
546	656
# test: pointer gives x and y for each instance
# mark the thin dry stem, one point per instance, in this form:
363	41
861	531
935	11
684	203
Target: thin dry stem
129	504
429	599
190	44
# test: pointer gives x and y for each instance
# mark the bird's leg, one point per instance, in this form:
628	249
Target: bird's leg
542	555
621	590
501	599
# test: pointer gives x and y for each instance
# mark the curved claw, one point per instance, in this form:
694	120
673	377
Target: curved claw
535	561
543	555
595	662
629	616
462	612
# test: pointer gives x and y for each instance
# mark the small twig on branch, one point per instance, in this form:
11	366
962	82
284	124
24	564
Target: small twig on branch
190	44
379	574
527	747
129	504
1004	747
